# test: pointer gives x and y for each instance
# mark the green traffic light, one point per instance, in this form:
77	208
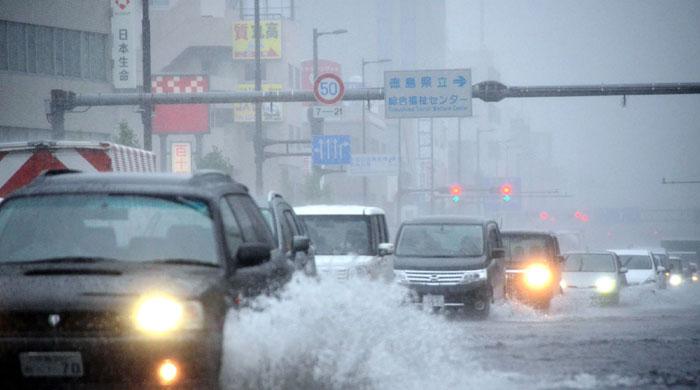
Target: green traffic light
455	198
506	198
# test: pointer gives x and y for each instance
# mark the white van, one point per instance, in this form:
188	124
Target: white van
349	240
640	265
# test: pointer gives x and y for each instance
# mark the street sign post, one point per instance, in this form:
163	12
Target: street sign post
331	150
428	93
374	165
329	88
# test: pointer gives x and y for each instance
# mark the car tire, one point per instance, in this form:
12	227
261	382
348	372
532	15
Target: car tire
480	314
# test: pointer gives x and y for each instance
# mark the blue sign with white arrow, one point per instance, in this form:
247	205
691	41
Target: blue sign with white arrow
428	93
331	150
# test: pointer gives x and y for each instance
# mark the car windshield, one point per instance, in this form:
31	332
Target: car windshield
589	262
440	240
340	234
636	261
526	248
121	227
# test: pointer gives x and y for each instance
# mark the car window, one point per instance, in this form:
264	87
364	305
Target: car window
590	262
375	231
250	219
232	231
636	261
440	240
121	227
340	234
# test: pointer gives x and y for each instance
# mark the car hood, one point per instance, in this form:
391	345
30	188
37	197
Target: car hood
342	261
81	287
440	263
639	276
584	279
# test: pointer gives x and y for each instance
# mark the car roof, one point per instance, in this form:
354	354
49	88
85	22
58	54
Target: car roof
203	183
642	252
447	219
338	210
610	253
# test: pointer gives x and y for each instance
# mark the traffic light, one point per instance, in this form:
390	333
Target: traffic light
506	192
456	192
581	216
544	215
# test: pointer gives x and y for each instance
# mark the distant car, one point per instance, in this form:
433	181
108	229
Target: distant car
125	280
596	271
348	240
289	232
451	262
686	257
533	266
676	272
640	265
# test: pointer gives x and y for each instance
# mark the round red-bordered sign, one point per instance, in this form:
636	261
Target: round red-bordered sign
329	88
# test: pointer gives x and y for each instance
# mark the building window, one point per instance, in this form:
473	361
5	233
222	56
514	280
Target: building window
29	48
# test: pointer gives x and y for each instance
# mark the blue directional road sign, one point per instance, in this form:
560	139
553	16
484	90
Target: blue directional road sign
331	150
428	93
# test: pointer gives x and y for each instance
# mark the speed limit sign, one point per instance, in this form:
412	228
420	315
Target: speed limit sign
328	88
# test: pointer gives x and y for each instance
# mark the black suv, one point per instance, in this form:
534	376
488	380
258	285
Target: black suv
451	262
533	267
126	278
289	232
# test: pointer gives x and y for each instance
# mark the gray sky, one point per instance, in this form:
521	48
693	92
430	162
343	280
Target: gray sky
611	155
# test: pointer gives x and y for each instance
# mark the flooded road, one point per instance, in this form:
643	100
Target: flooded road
356	334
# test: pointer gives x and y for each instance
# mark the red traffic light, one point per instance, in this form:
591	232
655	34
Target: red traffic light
544	215
581	216
456	190
506	189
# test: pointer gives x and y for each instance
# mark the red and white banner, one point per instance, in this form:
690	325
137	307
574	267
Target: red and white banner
180	118
324	66
20	163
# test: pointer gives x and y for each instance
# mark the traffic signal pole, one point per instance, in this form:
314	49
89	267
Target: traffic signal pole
62	101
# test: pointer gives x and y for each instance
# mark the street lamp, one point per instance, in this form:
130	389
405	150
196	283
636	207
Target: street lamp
364	125
318	34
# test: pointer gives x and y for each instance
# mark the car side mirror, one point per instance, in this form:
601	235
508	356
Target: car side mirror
252	254
301	244
498	253
386	249
561	259
661	269
623	270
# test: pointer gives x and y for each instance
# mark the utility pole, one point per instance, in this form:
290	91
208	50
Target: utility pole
364	122
146	106
258	144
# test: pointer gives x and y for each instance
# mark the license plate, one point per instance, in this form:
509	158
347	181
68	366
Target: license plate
51	364
434	300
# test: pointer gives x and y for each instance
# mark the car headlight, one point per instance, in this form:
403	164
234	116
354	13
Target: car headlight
605	285
537	276
675	280
694	278
159	314
563	284
474	276
400	276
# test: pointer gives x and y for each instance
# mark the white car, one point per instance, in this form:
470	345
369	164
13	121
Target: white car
640	266
599	271
349	240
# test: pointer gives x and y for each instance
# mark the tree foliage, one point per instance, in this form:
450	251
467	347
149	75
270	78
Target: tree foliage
126	136
216	160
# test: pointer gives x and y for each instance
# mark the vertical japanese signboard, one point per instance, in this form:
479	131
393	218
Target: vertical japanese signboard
181	157
270	40
125	15
245	112
428	93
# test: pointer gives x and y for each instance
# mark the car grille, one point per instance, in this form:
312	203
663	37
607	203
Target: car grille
67	323
435	278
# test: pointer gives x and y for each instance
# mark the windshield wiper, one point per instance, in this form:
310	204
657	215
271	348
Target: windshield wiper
184	262
68	259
